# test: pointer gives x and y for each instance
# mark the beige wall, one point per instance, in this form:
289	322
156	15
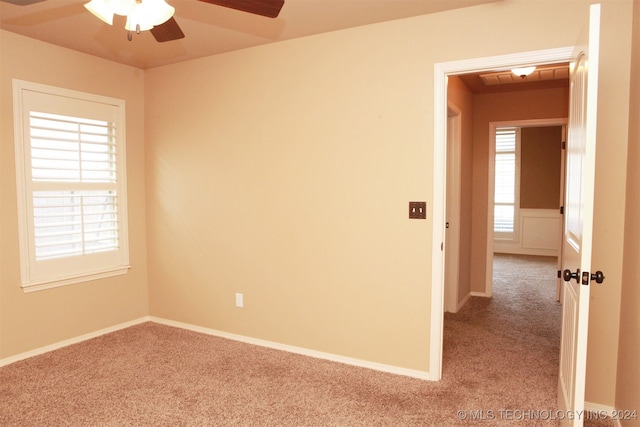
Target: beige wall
459	95
291	182
285	173
32	320
628	374
540	167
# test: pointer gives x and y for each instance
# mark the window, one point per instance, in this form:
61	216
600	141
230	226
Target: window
506	181
70	164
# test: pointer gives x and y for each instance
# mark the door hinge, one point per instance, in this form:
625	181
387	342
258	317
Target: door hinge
561	210
564	145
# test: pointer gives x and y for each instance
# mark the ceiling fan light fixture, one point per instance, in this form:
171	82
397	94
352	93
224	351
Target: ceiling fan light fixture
121	7
101	10
147	14
136	24
142	15
159	11
523	71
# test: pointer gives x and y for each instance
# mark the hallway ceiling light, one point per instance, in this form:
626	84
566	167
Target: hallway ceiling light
523	71
540	74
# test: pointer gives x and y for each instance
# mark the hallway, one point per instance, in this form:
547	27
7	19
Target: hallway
504	350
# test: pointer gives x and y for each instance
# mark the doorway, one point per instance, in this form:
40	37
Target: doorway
533	194
442	72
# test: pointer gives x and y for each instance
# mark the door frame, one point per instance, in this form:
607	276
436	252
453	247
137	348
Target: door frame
452	226
441	72
524	123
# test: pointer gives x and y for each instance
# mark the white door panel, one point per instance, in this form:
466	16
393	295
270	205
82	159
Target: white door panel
576	250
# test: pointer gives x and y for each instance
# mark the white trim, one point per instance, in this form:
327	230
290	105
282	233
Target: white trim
491	172
49	284
452	204
491	185
535	236
596	407
241	338
297	350
480	294
464	301
441	71
439	207
71	341
213	332
599	409
39	275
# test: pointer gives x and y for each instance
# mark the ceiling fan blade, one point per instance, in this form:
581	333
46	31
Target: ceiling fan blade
268	8
167	31
22	2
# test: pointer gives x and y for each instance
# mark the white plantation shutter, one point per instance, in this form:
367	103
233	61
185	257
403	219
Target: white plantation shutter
71	149
506	182
70	157
73	170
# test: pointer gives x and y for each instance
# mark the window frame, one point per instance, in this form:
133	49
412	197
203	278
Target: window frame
44	274
512	236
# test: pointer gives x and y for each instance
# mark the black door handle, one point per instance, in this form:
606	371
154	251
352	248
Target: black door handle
598	276
567	275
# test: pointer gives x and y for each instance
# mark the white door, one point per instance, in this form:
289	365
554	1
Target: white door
576	250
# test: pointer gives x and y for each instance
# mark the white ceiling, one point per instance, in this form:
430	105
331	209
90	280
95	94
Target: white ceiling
209	29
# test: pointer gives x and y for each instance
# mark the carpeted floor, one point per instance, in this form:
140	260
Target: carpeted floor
500	368
510	342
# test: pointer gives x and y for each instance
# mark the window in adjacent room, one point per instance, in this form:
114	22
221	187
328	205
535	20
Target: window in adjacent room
71	183
506	183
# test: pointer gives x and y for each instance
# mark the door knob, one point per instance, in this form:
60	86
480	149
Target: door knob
567	275
598	276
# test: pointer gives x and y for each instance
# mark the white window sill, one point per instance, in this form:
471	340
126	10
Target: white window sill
49	284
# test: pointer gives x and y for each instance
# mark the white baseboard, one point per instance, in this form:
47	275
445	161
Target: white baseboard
76	340
504	249
463	302
299	350
599	410
480	294
249	340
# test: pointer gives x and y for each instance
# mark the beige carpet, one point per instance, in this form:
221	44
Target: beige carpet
500	366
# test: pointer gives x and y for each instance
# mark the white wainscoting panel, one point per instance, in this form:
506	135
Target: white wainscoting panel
539	233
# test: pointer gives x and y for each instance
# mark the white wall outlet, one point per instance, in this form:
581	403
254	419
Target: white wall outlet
239	300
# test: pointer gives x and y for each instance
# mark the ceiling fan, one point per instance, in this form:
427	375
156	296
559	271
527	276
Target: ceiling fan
170	30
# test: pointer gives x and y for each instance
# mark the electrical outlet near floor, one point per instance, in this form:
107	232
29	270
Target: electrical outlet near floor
239	300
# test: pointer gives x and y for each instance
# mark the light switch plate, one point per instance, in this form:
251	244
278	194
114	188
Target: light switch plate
418	210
